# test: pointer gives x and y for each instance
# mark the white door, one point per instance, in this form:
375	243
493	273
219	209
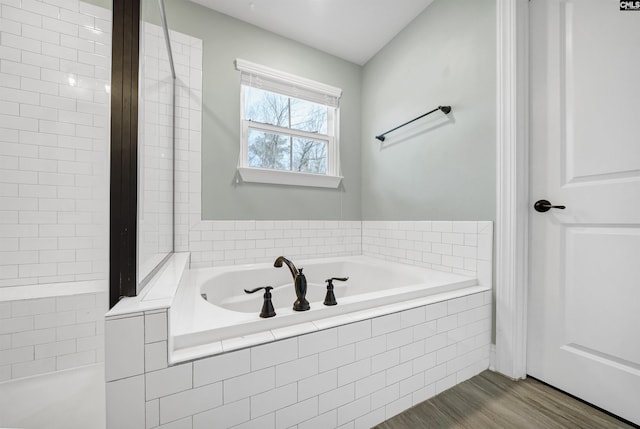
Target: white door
584	290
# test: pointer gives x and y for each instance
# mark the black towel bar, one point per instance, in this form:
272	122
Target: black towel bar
445	110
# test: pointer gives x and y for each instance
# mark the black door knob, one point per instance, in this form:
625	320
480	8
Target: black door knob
544	206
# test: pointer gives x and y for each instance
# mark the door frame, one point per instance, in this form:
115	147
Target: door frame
512	187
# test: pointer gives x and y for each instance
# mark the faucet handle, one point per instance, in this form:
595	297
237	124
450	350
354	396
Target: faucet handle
267	305
266	288
330	298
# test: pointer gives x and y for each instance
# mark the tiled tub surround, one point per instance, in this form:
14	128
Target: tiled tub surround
61	331
350	376
462	247
222	243
55	72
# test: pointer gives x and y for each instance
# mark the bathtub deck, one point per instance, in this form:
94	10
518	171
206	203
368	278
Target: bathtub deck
490	400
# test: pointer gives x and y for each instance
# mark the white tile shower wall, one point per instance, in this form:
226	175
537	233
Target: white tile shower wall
51	334
462	247
54	139
350	376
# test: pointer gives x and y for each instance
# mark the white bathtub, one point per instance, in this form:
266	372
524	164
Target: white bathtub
229	318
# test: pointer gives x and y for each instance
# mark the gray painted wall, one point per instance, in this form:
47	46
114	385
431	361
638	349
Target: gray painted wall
436	168
224	40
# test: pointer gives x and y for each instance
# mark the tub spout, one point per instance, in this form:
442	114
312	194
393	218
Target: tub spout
292	268
299	283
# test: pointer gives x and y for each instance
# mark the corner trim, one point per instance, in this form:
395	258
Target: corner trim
512	132
492	357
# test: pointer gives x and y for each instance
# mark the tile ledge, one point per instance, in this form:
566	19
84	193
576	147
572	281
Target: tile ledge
48	290
159	292
269	336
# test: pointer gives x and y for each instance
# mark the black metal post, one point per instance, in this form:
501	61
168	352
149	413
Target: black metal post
124	150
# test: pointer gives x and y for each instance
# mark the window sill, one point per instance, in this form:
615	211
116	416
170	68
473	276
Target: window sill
262	175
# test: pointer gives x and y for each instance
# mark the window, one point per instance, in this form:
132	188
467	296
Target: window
289	128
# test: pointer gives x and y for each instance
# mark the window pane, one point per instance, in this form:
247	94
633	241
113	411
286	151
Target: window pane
308	116
309	156
283	111
266	107
269	150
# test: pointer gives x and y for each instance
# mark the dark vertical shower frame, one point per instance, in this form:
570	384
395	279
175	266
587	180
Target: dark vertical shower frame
124	150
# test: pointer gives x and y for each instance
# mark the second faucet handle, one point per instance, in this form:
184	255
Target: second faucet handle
330	298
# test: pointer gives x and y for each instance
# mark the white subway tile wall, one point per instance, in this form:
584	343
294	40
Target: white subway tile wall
461	247
454	246
55	72
54	141
355	375
217	243
51	334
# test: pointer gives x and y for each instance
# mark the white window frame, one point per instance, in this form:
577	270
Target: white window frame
290	85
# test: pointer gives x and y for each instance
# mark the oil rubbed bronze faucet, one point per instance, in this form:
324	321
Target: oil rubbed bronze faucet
299	283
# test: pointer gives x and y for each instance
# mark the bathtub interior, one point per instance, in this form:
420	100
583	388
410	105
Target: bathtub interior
365	276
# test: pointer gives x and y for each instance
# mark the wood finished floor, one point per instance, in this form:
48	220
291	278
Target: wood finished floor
490	400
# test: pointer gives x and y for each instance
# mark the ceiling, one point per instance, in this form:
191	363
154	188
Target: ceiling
354	30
